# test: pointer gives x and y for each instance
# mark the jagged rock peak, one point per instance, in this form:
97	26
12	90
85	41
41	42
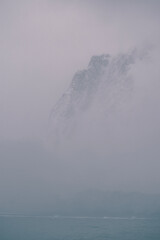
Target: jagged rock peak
99	61
99	90
88	77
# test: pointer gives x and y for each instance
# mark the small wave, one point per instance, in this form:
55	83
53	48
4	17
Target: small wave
71	217
126	218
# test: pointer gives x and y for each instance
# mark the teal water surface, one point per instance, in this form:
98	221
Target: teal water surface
78	228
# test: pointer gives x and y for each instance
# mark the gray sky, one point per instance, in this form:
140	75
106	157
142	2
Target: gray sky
43	43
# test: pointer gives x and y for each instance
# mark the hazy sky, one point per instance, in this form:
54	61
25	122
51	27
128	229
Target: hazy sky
43	43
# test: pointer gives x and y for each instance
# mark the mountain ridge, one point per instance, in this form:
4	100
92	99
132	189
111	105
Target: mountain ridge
104	85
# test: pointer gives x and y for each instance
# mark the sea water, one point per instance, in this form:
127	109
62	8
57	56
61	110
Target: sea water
78	228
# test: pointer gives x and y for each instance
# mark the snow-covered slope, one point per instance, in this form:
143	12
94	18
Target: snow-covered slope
96	91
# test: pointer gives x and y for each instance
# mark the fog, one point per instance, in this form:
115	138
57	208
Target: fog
43	44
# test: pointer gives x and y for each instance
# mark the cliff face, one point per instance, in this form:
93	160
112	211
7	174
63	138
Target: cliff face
94	92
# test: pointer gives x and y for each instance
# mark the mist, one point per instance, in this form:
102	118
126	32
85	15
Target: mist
43	44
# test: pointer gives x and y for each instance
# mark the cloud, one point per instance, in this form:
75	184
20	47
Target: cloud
43	44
